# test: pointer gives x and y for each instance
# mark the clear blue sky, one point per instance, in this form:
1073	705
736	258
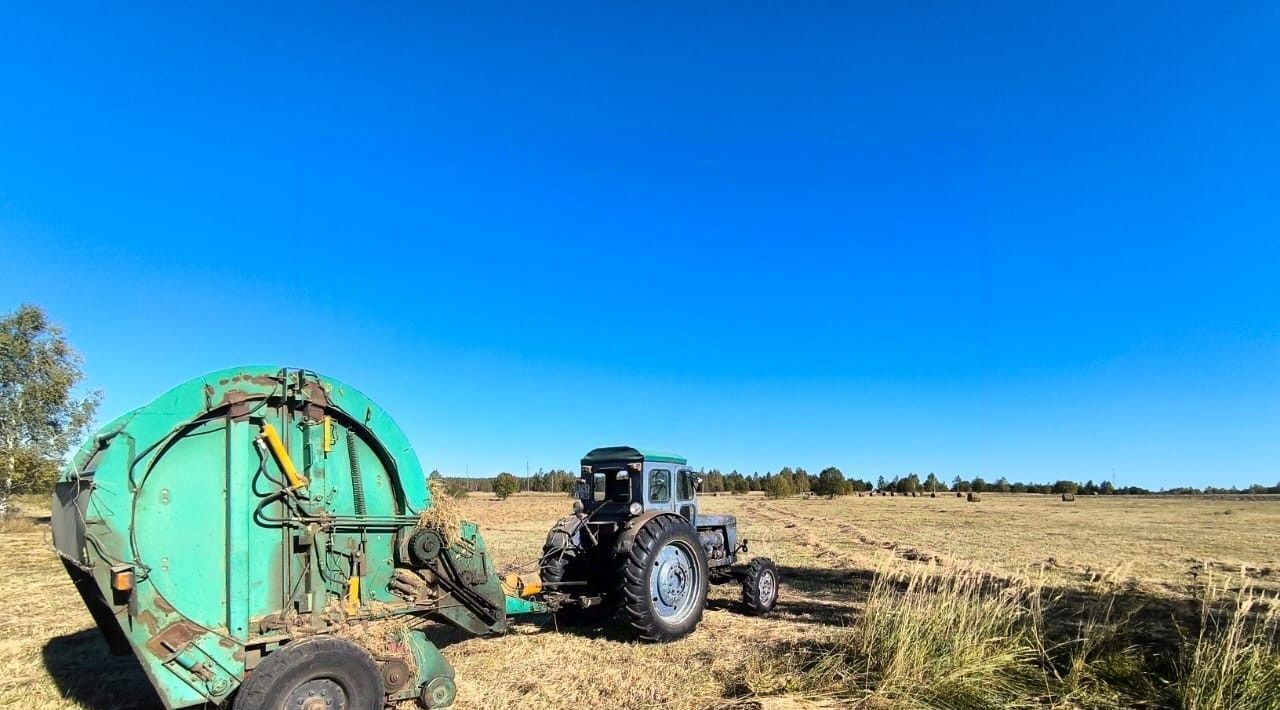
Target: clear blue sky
1033	239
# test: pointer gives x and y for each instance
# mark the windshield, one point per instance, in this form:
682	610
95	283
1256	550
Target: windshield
609	486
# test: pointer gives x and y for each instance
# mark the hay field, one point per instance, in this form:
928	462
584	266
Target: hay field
1125	562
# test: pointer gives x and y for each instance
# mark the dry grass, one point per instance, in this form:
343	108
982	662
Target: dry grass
917	595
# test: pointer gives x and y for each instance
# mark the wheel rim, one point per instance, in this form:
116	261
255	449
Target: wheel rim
317	694
674	583
768	587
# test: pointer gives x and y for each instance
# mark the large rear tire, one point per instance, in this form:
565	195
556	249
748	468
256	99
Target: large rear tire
664	580
314	673
563	561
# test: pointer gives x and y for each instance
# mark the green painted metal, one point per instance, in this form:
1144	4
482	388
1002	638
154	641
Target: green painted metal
229	564
609	454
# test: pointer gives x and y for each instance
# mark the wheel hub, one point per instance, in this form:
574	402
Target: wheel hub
768	587
318	694
672	583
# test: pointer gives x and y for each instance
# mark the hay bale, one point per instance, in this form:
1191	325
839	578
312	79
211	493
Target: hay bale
974	497
893	493
959	494
1068	497
933	495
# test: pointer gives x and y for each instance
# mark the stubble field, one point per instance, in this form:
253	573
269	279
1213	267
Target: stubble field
1089	586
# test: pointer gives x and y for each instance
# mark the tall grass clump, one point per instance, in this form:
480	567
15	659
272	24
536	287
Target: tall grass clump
1234	661
954	639
958	639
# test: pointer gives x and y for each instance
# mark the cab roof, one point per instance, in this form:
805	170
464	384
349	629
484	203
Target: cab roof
606	454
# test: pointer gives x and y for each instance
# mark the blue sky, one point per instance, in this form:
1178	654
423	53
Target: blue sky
1035	240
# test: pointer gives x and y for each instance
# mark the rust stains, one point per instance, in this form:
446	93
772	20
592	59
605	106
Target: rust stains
172	639
148	619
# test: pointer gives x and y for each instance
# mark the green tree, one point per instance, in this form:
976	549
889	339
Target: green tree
505	484
40	417
803	481
779	486
830	482
714	482
932	484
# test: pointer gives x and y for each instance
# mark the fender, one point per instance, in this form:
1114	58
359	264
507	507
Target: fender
632	527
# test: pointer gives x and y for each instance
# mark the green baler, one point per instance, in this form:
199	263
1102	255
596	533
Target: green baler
265	537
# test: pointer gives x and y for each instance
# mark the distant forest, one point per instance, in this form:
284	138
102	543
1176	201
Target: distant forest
831	481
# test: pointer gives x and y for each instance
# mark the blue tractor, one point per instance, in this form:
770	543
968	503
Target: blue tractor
636	544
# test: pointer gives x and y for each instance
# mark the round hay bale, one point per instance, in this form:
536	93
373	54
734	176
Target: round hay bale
1068	497
975	498
893	493
933	495
959	494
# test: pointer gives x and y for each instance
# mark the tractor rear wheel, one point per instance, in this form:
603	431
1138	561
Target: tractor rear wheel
664	580
315	673
760	586
563	561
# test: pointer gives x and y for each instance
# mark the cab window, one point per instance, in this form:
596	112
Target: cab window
612	485
659	485
686	484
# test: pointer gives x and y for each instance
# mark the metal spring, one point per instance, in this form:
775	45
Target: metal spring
357	482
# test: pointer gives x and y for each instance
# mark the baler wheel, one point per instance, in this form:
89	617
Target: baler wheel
664	580
315	673
760	586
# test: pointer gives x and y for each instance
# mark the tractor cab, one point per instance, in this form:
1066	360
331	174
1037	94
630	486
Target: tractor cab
620	482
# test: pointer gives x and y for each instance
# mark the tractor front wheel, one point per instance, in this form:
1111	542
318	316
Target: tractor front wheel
664	580
760	586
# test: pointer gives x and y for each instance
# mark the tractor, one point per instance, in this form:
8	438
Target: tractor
636	543
263	538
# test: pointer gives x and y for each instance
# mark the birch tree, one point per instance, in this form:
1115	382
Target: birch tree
41	417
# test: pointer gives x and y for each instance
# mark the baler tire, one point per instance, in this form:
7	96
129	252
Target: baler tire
315	658
759	600
638	566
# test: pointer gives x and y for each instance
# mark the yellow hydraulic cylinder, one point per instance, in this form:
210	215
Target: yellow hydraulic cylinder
513	585
274	443
353	595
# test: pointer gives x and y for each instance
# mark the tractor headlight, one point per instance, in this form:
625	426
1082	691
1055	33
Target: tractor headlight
635	509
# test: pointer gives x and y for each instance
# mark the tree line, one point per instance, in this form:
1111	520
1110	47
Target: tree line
831	481
42	417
